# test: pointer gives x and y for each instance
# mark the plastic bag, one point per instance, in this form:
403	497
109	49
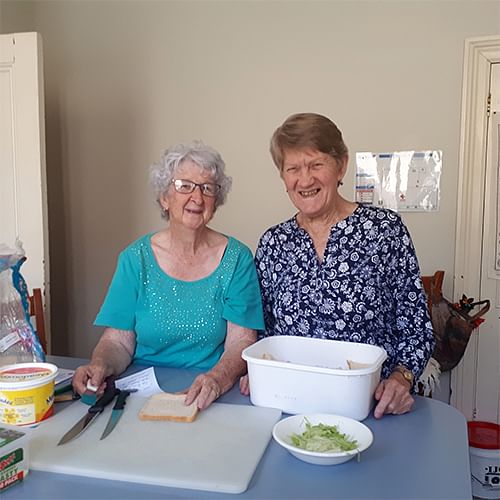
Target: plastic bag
18	340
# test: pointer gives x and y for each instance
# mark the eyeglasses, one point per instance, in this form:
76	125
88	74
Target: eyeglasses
186	187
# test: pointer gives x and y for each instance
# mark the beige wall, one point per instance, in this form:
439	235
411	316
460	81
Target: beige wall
123	80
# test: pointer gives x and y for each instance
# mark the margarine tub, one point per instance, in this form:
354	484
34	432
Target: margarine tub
26	393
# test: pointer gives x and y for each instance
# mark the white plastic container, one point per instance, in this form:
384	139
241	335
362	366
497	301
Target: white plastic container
484	448
307	375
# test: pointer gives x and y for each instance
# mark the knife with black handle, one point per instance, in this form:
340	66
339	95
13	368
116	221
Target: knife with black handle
94	411
116	413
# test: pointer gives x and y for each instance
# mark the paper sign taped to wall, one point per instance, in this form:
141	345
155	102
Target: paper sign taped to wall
403	181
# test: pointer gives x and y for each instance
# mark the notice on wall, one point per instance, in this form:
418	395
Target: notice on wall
403	181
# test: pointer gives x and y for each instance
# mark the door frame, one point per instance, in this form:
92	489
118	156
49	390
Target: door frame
21	65
480	53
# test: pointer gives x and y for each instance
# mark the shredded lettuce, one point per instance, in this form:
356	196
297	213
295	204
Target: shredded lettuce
323	438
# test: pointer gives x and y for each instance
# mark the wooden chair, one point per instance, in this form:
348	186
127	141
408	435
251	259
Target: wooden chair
433	287
36	310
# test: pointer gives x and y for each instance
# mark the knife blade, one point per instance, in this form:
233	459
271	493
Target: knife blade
95	410
116	413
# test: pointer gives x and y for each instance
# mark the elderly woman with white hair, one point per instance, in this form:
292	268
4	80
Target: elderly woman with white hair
186	296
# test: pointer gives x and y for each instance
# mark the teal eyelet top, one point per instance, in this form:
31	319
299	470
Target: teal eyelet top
179	323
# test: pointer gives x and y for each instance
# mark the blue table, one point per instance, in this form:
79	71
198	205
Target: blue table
420	455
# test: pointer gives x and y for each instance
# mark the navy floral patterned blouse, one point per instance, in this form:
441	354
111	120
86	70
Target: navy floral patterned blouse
367	288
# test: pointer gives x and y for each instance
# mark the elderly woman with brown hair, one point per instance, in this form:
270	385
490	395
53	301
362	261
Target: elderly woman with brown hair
185	296
341	270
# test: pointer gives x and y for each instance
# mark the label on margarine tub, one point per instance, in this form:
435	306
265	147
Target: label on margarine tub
16	414
24	374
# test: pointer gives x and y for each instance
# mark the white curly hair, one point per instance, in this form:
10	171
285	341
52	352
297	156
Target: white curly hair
207	158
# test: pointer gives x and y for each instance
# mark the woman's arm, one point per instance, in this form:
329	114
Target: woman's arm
263	261
209	386
414	342
112	355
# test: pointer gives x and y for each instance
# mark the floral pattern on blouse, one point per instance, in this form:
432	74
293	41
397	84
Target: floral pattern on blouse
367	288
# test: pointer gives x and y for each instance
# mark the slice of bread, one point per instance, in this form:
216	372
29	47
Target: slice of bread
356	365
168	406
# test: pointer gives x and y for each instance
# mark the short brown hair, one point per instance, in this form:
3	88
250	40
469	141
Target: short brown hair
307	130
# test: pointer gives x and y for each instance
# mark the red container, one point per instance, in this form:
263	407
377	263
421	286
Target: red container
484	435
484	442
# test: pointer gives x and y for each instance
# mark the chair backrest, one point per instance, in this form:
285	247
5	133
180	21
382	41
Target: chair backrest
36	310
433	289
433	286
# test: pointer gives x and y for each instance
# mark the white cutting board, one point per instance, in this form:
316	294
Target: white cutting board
218	452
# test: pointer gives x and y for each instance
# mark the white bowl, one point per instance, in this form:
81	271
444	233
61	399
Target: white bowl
296	424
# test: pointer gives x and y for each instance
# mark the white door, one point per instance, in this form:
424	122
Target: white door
23	205
475	382
487	402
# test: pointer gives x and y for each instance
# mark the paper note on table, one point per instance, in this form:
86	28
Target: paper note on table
144	382
63	374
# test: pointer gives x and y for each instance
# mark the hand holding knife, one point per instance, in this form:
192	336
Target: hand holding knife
95	410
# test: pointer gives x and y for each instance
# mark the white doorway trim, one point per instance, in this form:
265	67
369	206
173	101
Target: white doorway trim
480	54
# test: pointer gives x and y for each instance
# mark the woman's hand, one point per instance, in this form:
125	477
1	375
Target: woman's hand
206	389
209	386
393	396
93	374
245	385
